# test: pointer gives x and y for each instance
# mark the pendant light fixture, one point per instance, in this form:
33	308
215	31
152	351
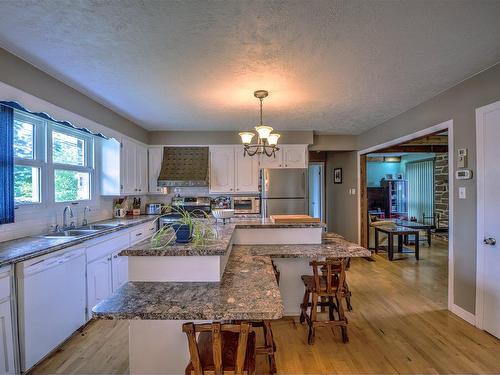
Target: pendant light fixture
267	141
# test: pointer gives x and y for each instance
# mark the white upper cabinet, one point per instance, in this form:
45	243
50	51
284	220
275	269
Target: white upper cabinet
222	169
246	172
273	161
288	156
134	168
294	156
141	169
155	158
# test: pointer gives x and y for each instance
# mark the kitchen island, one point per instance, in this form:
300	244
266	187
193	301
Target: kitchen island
247	289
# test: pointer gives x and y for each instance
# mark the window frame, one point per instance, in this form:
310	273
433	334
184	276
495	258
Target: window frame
43	155
39	155
89	166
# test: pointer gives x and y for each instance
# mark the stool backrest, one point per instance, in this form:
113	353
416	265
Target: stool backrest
216	329
334	270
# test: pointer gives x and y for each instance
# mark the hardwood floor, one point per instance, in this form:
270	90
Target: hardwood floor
399	325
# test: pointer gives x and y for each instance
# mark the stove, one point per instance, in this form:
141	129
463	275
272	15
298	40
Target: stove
197	206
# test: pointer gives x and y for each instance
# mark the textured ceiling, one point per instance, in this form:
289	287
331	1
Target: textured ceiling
330	66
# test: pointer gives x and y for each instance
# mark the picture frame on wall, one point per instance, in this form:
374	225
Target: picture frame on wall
337	175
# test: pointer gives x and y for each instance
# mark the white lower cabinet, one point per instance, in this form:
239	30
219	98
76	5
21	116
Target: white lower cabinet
98	281
119	270
7	362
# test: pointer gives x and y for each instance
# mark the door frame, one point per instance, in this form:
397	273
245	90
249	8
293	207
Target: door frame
447	125
323	188
480	252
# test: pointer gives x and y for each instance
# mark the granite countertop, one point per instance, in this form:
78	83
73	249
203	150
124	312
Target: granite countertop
248	289
30	247
214	246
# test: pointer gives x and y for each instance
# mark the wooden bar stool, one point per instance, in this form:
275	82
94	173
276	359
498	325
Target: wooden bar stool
220	349
347	291
331	287
269	347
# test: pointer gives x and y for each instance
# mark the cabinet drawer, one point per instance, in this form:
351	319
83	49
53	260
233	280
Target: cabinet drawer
106	247
143	232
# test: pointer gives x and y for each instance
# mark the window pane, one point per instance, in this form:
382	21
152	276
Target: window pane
71	185
68	149
24	139
26	184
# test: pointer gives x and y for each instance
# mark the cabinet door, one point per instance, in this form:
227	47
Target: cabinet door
246	172
295	156
141	169
6	339
119	270
273	161
128	166
222	169
155	158
98	281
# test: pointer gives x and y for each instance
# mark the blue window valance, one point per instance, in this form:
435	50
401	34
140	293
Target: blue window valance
6	165
19	107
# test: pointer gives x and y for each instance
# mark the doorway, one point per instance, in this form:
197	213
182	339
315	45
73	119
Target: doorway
317	190
416	142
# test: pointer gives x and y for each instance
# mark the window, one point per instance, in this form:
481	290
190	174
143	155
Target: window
53	163
28	161
73	165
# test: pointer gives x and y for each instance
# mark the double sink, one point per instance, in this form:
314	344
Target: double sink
86	230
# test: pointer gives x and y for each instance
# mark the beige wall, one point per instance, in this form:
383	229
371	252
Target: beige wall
341	207
20	74
458	104
219	137
334	143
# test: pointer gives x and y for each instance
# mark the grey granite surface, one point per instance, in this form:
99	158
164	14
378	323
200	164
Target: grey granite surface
219	245
248	290
166	246
30	247
338	248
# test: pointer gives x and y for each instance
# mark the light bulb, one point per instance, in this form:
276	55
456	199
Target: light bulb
246	137
272	139
263	131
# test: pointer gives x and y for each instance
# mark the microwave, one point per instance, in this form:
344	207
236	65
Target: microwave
246	205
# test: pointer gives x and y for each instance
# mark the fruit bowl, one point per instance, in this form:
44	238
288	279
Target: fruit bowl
222	214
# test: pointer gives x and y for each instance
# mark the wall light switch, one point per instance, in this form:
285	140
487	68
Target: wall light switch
352	191
462	193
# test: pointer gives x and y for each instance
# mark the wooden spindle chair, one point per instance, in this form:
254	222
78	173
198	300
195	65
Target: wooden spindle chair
220	349
325	289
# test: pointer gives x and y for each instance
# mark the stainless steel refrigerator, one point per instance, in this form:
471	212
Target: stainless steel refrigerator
283	191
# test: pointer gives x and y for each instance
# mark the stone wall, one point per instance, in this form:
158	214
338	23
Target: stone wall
441	190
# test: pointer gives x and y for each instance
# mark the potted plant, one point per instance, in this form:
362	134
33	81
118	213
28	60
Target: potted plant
184	230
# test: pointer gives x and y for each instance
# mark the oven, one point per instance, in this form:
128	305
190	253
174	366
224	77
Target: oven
246	205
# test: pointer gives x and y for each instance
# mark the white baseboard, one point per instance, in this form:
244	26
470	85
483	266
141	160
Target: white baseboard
464	314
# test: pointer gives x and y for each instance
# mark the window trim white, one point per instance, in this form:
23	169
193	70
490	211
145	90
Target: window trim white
43	161
89	166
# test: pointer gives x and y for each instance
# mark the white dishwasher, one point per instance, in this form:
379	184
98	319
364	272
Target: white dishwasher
51	302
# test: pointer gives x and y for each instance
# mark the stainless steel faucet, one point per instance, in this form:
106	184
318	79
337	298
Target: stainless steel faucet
65	221
84	221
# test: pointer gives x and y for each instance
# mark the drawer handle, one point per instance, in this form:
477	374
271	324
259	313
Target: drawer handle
138	234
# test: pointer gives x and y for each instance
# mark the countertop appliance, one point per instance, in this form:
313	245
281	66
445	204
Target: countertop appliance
246	205
284	191
197	206
184	166
52	302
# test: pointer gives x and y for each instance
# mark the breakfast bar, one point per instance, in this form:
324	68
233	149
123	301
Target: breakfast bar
156	305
